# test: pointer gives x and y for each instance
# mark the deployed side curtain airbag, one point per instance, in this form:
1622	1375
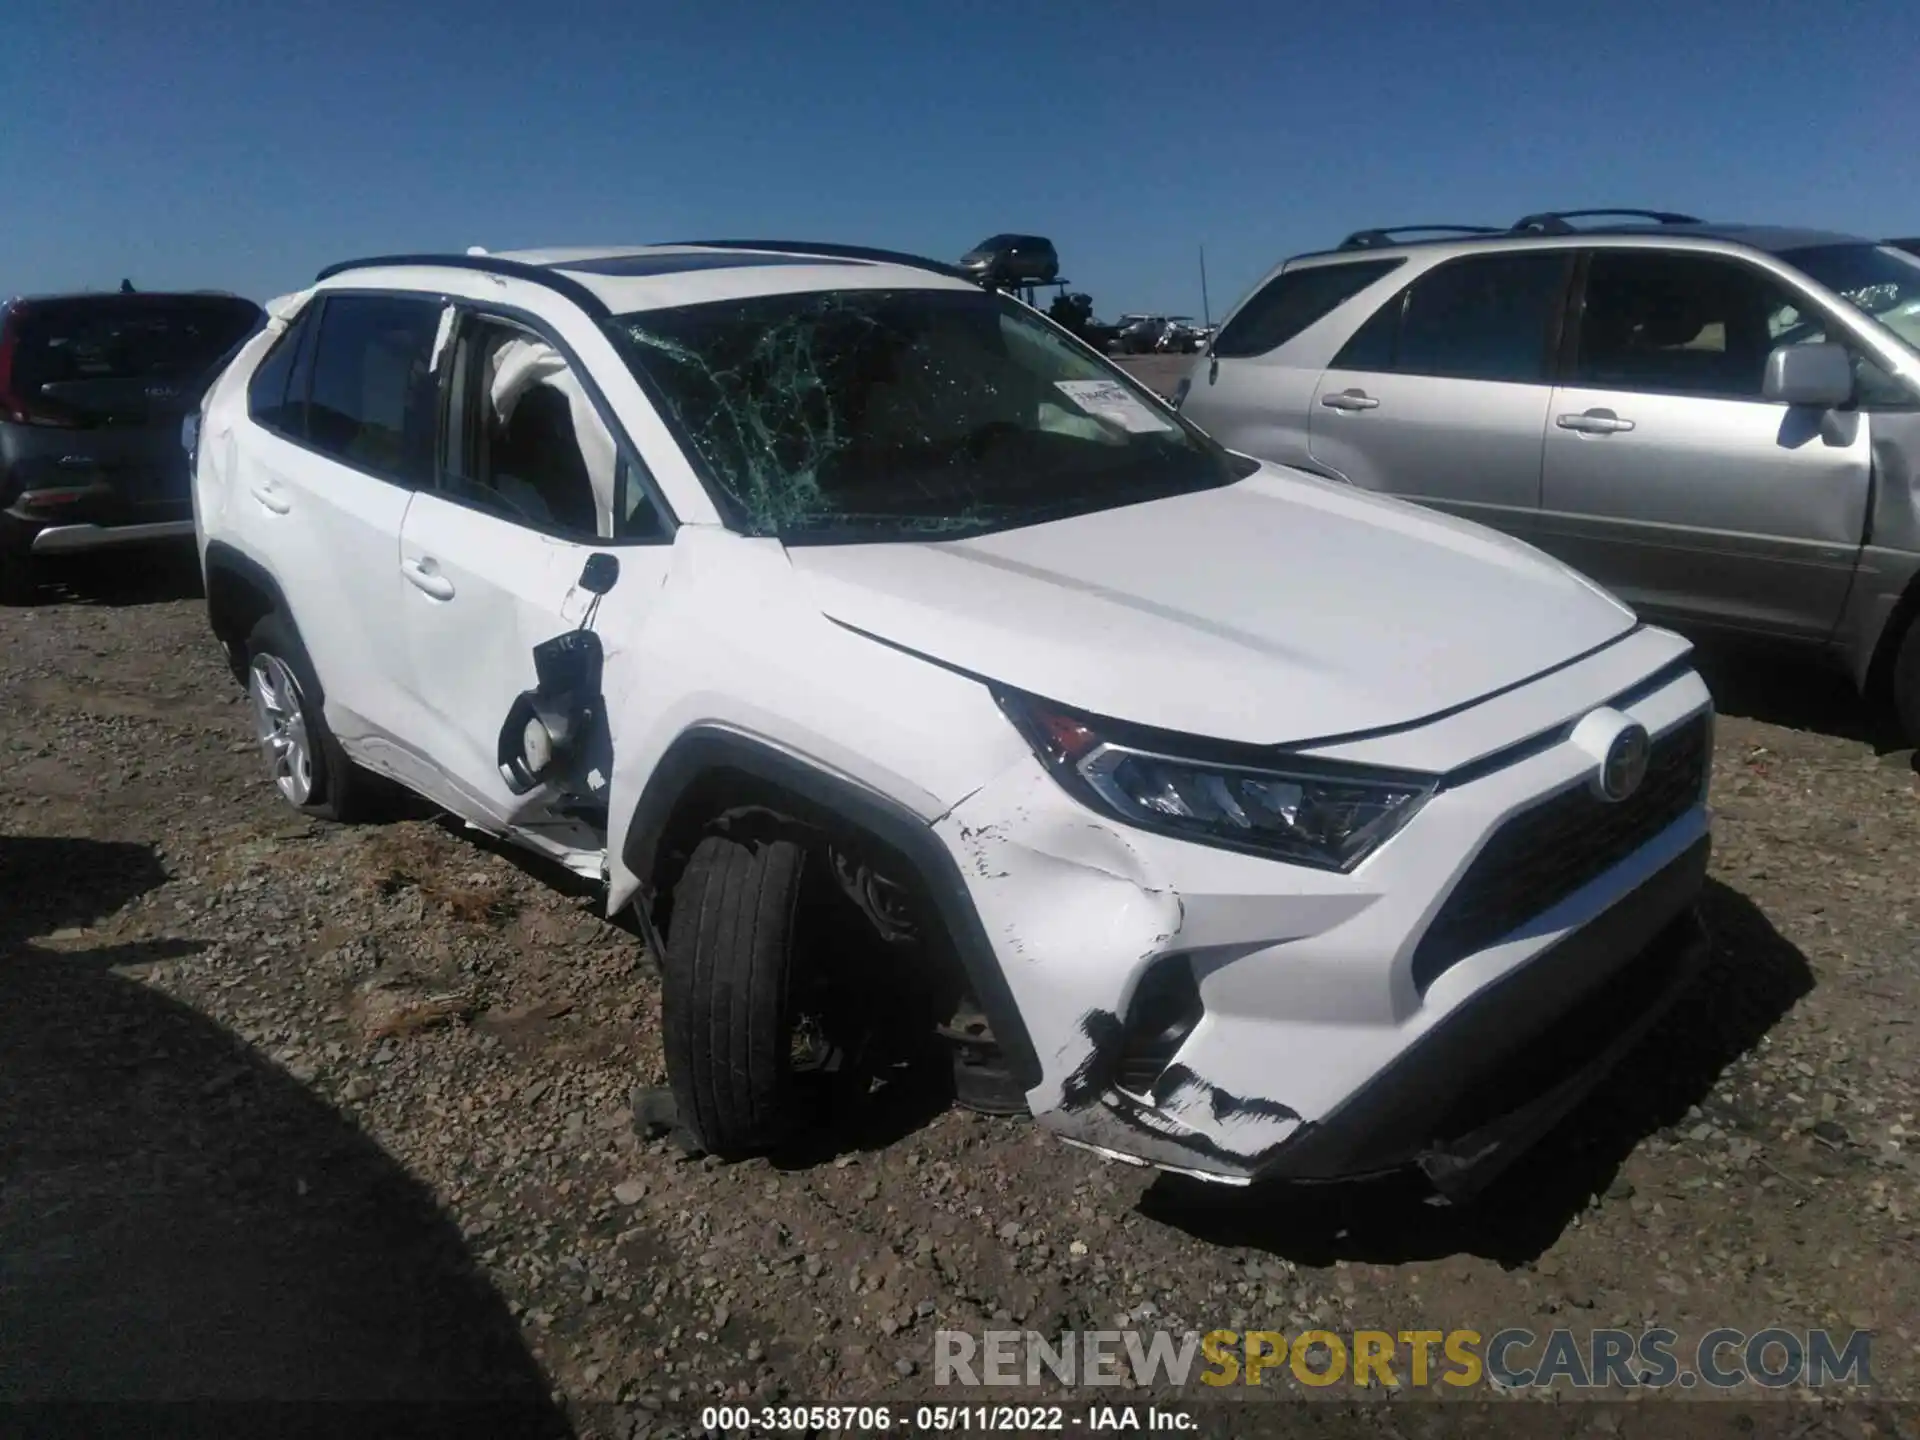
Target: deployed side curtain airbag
517	367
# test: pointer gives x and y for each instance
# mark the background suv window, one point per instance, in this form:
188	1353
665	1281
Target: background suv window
1677	323
1292	301
372	402
1488	317
1485	317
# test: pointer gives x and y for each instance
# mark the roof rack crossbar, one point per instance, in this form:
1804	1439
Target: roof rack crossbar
1384	235
1554	222
486	265
826	251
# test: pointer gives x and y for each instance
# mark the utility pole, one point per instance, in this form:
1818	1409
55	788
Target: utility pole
1206	310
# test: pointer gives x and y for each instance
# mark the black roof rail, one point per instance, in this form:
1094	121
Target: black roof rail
827	251
1371	239
486	265
1554	222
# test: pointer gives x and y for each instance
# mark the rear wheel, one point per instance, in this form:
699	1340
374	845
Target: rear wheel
1906	682
305	762
16	578
758	1037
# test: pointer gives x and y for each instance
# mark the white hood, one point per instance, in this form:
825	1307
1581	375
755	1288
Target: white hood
1278	610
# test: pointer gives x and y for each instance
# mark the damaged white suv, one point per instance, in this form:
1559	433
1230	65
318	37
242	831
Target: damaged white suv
915	673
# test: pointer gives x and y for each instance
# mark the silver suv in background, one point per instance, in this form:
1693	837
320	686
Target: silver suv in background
1719	423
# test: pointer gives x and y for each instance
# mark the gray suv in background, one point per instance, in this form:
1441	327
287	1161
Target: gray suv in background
93	390
1719	423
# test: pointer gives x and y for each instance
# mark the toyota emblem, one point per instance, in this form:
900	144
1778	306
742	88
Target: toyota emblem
1625	765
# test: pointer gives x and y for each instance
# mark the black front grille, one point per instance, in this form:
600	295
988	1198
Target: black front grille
1544	854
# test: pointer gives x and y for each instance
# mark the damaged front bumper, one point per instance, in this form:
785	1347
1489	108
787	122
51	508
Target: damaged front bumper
1239	1019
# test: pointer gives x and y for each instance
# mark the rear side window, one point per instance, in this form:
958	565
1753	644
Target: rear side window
1293	300
373	402
276	398
1485	317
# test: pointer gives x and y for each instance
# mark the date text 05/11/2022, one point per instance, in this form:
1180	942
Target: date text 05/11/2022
940	1419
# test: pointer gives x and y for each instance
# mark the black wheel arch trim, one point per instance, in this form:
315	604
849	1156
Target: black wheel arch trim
703	750
250	572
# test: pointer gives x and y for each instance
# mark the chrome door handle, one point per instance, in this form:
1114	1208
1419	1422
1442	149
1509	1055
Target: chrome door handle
425	576
1349	400
271	497
1594	422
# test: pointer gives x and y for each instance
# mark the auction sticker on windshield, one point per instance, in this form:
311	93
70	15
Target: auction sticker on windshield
1113	402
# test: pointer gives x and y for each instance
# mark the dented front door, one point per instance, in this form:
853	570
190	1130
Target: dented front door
481	591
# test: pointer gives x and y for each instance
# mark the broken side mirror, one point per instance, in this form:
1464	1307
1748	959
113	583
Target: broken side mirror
545	724
600	573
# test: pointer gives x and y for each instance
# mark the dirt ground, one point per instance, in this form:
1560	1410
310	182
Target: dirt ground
229	1167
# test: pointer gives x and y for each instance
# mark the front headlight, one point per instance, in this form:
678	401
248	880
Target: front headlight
1289	808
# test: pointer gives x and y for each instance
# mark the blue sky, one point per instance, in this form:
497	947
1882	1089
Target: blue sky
244	145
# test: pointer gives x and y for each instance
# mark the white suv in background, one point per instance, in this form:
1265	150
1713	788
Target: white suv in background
914	672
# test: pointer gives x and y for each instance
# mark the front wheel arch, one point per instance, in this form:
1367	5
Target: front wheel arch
709	772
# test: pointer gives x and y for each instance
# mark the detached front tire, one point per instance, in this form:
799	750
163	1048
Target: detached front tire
304	761
749	1055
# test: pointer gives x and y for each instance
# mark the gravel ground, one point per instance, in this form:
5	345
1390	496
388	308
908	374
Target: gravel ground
299	1110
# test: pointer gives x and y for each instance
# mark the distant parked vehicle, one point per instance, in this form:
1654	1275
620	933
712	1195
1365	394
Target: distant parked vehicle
1140	334
93	391
1007	261
1181	336
1720	423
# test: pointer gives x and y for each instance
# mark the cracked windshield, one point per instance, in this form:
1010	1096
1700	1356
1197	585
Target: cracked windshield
876	414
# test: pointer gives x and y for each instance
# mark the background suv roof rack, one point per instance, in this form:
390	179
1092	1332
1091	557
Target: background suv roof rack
1554	222
1369	239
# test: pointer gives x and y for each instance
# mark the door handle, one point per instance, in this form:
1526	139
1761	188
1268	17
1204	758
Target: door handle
425	576
1594	422
270	496
1349	400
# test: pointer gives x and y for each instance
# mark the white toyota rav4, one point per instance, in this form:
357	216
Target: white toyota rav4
913	672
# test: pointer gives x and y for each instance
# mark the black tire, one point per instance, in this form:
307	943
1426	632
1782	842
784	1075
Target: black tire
727	1009
1906	683
16	579
338	789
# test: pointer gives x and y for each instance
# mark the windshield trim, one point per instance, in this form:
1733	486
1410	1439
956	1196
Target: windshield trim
1229	468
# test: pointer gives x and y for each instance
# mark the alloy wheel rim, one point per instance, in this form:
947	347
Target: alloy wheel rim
280	727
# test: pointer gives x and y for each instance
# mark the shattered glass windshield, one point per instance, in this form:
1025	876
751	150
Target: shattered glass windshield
905	414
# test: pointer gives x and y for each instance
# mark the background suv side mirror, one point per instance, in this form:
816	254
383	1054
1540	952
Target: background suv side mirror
1819	374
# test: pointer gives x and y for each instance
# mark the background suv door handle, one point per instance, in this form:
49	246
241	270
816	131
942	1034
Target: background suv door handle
1594	422
270	496
424	575
1350	400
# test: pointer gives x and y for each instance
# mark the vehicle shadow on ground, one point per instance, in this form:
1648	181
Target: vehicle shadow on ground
1795	692
137	575
1755	977
180	1219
